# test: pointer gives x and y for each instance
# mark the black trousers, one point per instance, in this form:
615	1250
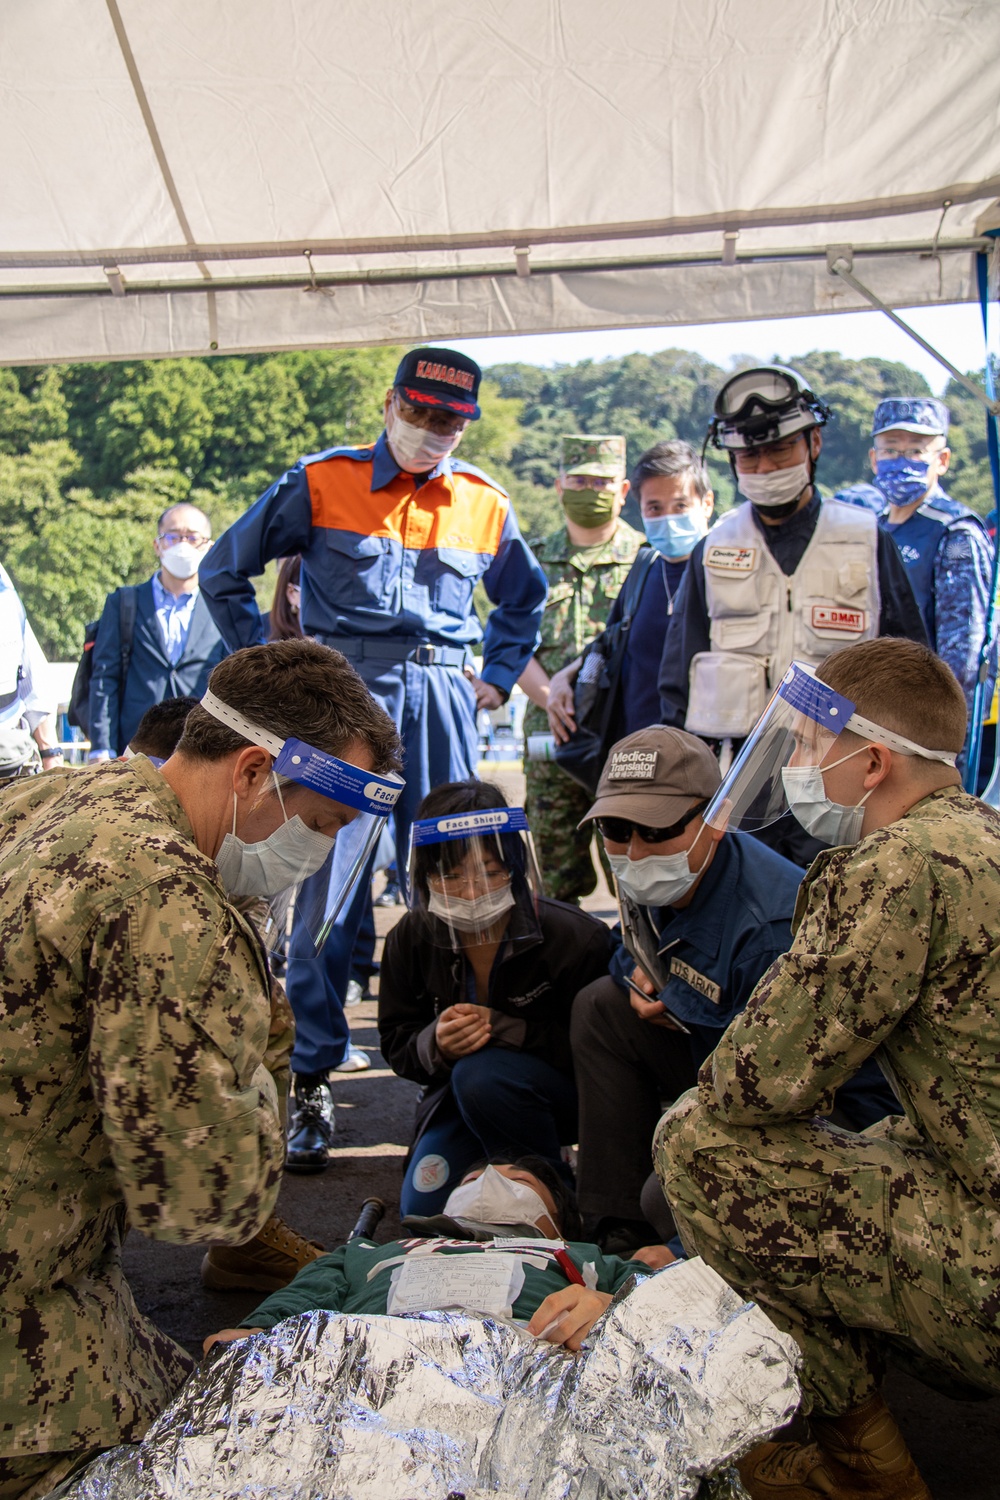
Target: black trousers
626	1068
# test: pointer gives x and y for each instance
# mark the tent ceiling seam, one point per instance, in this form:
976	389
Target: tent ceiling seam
142	99
318	280
736	219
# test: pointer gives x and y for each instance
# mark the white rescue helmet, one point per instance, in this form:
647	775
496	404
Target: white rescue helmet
764	405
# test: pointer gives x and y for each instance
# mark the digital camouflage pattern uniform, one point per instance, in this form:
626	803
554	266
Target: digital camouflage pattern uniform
853	1243
583	585
135	1080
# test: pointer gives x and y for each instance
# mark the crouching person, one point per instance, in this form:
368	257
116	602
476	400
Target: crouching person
888	1240
520	1201
137	1036
475	992
718	908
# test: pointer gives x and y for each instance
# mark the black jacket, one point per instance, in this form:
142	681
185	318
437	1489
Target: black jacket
532	988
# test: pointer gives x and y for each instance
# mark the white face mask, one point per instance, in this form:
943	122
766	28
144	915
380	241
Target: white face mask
470	916
269	867
182	560
495	1199
657	880
780	487
416	449
829	821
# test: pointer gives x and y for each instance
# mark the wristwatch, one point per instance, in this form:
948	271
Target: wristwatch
51	752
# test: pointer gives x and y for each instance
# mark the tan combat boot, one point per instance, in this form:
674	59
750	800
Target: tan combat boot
787	1471
264	1264
865	1449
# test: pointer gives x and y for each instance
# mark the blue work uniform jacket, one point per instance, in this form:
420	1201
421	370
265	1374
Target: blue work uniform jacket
949	561
386	556
739	921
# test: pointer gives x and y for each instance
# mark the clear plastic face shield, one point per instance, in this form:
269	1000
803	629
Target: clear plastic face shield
780	766
276	868
473	878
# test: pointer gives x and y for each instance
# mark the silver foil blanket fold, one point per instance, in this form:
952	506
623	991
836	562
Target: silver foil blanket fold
679	1376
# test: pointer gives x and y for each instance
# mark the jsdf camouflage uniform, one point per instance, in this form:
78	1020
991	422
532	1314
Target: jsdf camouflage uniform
583	585
134	1079
856	1242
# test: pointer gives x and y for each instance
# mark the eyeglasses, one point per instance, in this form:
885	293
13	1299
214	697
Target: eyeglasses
906	450
173	538
433	419
456	880
620	830
748	459
588	481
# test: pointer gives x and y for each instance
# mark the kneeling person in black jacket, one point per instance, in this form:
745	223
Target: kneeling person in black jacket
476	988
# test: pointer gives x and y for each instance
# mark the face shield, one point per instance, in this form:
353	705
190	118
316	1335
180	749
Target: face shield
277	867
778	768
473	878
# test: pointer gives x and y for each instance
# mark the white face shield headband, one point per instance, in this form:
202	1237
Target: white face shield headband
275	867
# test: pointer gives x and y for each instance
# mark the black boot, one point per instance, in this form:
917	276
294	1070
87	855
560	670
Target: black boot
310	1124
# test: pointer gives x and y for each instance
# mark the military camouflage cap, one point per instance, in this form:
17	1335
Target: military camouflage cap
911	414
583	453
655	776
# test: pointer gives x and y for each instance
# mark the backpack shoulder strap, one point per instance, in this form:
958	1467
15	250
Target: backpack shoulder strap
636	582
127	605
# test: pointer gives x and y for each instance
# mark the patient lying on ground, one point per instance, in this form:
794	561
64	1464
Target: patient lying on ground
502	1247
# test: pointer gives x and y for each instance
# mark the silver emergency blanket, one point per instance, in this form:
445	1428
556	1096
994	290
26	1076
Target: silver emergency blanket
678	1377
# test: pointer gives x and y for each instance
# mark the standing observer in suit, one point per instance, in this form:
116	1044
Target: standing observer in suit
155	641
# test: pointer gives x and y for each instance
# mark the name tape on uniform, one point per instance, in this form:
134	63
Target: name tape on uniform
731	559
699	982
850	621
633	765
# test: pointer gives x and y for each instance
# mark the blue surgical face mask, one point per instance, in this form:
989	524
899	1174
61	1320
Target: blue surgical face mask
902	480
675	536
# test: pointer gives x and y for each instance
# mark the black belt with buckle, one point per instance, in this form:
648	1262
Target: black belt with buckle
397	648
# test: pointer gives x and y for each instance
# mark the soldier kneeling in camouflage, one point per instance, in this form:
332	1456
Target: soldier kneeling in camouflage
138	1041
887	1241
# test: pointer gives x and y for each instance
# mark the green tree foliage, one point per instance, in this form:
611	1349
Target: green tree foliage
90	455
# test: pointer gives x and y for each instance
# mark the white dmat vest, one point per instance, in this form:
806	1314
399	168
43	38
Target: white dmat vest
762	620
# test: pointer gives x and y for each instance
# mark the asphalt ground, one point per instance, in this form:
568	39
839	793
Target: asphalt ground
956	1443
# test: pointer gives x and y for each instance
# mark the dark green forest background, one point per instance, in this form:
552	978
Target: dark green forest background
91	454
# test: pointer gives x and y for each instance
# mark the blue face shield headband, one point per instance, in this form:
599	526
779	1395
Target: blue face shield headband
483	868
801	723
371	798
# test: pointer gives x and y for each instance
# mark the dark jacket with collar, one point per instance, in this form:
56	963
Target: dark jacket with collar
738	923
115	715
532	987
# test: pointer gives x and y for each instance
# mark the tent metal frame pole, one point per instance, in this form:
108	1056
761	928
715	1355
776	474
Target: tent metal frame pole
842	266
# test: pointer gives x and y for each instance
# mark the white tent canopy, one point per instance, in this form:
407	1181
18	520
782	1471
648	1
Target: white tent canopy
189	176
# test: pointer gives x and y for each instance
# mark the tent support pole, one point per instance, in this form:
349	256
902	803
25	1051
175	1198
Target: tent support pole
842	267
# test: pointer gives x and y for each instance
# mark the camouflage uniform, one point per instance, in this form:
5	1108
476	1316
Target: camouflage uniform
136	1039
583	585
856	1243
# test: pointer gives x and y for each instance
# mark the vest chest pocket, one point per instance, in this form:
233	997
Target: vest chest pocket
455	575
358	569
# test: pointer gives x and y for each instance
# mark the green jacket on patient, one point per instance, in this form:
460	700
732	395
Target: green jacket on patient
342	1281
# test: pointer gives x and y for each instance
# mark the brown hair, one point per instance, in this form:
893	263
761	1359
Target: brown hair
295	688
901	686
285	624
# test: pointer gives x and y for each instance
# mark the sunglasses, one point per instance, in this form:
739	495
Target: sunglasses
620	830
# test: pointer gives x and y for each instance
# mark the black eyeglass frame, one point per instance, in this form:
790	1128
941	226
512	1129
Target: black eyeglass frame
647	834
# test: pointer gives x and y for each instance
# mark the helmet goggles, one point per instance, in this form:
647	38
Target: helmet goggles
764	405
